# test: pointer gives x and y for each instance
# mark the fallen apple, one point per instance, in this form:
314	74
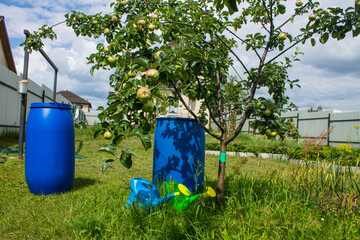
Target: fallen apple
143	94
152	74
148	106
107	135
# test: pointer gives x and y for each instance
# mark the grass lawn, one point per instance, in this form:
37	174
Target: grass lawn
264	199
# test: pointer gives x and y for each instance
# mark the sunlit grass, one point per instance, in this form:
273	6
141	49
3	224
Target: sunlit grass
264	199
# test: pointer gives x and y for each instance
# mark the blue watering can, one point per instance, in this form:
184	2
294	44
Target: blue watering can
146	194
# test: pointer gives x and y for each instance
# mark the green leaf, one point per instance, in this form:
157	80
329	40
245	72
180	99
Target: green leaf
117	139
96	133
129	151
324	38
313	42
142	61
144	138
109	148
125	160
106	165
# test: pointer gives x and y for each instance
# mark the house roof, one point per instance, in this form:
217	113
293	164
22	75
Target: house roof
73	98
4	39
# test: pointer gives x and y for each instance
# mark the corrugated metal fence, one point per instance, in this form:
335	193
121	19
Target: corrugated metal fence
345	126
10	99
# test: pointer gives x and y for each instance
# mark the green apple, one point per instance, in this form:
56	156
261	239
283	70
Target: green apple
258	104
148	106
151	27
312	17
273	134
114	18
111	61
131	74
143	94
267	112
106	49
282	36
152	74
107	135
298	3
268	132
106	30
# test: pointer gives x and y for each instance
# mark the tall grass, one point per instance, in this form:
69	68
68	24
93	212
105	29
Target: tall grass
264	199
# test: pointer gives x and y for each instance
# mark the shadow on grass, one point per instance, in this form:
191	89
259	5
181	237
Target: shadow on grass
80	183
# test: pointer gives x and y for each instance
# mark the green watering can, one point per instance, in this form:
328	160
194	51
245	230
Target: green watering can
183	202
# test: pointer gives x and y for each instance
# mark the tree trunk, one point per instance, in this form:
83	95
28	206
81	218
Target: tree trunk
221	176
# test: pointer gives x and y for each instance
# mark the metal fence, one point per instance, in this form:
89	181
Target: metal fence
345	126
10	99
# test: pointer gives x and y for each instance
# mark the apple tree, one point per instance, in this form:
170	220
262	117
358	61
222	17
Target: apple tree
190	48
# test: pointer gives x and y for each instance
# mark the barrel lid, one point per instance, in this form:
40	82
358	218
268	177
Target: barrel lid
50	105
178	119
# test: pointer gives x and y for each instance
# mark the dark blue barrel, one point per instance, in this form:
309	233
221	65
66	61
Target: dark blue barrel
49	148
179	152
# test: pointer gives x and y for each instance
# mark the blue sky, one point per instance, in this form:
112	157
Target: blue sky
329	74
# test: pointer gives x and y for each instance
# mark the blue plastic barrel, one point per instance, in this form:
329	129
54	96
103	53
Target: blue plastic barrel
179	152
49	148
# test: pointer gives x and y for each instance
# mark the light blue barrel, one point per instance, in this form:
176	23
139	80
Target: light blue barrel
49	148
179	152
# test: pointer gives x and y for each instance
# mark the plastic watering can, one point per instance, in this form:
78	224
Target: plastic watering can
146	194
183	202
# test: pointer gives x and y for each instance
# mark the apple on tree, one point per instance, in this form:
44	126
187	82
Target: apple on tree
157	54
107	134
143	94
152	74
154	16
298	3
141	22
267	112
312	17
111	61
151	27
282	36
148	106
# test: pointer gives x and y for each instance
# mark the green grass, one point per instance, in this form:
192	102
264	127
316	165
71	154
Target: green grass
264	199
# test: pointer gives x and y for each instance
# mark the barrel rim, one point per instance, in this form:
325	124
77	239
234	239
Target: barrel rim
50	105
178	118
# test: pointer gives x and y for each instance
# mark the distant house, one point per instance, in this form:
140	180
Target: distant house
6	57
75	99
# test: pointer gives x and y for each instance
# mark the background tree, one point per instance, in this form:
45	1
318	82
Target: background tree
189	47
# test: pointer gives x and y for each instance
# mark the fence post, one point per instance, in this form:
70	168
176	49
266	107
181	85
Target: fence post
23	103
328	140
297	126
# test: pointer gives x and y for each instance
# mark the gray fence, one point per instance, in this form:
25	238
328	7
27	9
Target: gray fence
345	126
10	99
